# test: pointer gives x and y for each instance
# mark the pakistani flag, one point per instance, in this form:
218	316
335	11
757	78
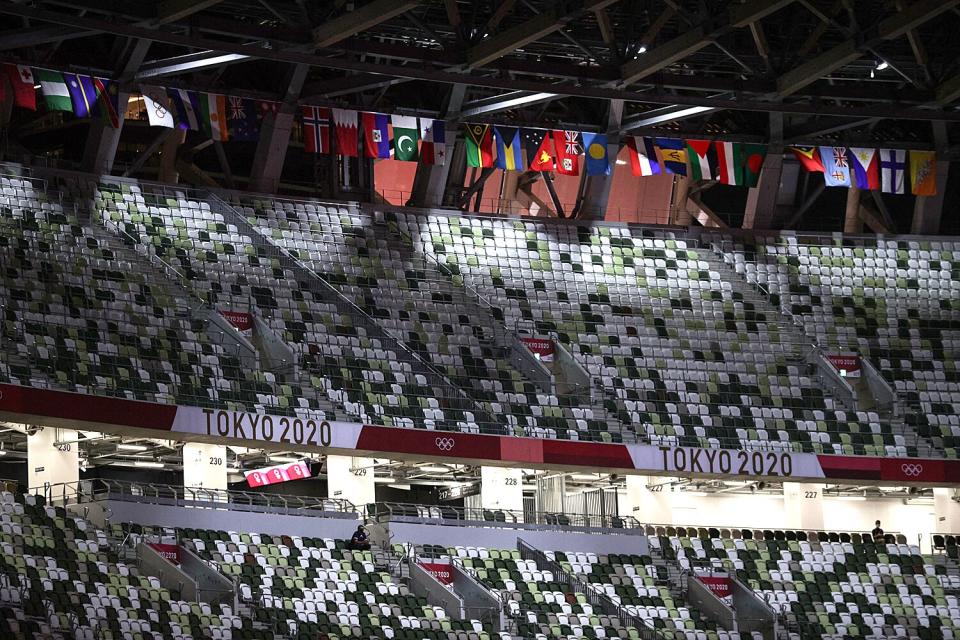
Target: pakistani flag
404	138
54	89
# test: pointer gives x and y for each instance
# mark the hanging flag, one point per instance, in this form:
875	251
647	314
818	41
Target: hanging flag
509	153
108	98
595	148
923	173
702	161
729	163
567	148
673	155
536	142
836	169
267	107
316	129
893	168
643	156
213	107
157	104
433	149
866	167
242	122
345	132
54	89
479	144
186	106
22	82
809	158
376	134
83	95
404	138
753	156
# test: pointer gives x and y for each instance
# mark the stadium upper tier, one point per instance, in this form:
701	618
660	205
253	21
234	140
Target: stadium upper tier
405	318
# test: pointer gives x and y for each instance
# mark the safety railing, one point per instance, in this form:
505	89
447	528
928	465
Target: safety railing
466	516
172	495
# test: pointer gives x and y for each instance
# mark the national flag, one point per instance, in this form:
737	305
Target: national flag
108	100
923	173
186	106
404	138
729	163
752	156
643	156
836	169
433	147
83	95
376	134
242	119
316	129
893	168
702	160
479	145
809	158
595	150
345	132
509	152
866	167
567	150
54	89
157	105
673	155
268	106
22	82
536	142
213	107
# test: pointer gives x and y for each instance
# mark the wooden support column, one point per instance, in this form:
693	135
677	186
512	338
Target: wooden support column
852	222
168	156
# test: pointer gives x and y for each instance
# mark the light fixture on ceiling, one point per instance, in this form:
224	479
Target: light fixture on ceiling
150	464
282	459
882	65
124	446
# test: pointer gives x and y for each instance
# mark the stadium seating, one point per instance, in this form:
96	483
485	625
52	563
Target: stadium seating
317	586
896	302
830	584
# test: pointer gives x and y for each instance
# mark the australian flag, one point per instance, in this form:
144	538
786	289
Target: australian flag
242	119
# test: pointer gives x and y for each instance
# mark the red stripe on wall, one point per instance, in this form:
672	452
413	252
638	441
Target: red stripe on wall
587	454
65	405
429	443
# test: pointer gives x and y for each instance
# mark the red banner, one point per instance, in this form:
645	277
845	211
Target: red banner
439	570
848	366
169	551
540	347
719	585
240	319
280	473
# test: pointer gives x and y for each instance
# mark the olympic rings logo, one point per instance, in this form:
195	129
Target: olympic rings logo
912	470
445	444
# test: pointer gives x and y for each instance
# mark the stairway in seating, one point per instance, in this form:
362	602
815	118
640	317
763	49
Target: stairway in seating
792	327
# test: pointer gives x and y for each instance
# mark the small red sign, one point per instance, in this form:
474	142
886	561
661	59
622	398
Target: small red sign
848	366
439	570
541	347
719	585
169	551
240	319
280	473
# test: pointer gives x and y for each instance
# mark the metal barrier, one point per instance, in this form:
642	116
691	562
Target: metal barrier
466	516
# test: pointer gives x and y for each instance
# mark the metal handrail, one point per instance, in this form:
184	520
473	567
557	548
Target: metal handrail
489	517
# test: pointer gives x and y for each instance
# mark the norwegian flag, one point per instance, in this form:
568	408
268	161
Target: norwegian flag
316	129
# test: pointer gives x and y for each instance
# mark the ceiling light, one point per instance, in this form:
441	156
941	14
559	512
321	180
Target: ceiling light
3	452
434	468
282	459
619	161
385	480
131	447
642	49
148	463
695	494
882	66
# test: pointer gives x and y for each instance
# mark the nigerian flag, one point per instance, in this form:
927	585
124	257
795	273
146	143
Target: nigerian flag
54	88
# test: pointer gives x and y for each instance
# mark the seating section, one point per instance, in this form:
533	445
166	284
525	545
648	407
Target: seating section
317	588
544	606
61	578
830	585
895	302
